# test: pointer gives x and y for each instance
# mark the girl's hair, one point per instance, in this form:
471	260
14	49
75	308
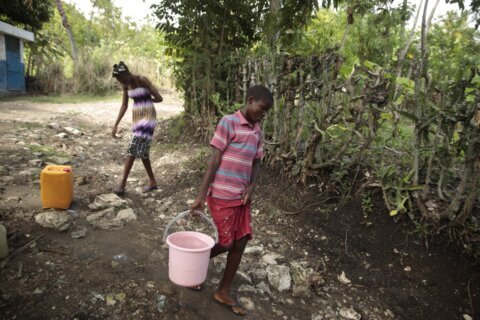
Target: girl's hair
119	69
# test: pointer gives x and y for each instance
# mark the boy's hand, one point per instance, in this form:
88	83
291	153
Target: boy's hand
199	205
247	194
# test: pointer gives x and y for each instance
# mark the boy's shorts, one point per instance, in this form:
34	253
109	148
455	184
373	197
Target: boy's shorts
232	218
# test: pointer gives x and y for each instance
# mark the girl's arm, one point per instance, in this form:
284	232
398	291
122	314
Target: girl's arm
157	97
121	113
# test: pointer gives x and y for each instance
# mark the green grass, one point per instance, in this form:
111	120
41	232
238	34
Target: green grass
48	151
199	160
177	126
62	99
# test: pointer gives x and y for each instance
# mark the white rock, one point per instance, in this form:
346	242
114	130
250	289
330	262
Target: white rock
244	276
105	220
79	233
7	179
389	313
279	277
39	290
467	317
29	172
350	313
190	202
108	213
58	220
247	288
106	224
247	303
343	278
271	258
253	250
35	162
62	135
317	316
259	274
407	269
300	275
53	125
107	200
73	131
126	215
59	160
263	288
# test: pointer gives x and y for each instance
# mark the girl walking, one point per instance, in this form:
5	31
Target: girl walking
144	94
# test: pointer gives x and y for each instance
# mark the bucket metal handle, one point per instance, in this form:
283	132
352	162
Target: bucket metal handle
186	213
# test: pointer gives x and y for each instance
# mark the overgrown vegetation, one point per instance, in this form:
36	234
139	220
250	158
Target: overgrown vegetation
370	94
80	62
361	96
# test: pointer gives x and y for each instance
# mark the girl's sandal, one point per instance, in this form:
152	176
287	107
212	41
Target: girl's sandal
119	191
149	188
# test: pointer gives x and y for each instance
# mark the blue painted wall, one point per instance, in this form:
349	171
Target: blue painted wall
15	68
3	75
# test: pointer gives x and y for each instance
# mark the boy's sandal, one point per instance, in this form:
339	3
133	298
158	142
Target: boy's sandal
236	307
196	288
119	191
149	188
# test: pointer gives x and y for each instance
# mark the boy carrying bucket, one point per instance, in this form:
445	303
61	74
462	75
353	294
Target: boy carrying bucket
229	182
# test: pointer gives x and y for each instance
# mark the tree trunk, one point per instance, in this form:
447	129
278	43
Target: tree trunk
67	27
289	104
301	112
432	13
402	54
424	47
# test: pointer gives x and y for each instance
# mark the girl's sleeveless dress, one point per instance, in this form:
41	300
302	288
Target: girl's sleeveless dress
144	123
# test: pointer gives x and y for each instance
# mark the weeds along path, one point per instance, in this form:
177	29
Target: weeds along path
327	262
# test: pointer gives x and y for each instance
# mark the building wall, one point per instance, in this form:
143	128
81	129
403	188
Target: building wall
3	64
21	51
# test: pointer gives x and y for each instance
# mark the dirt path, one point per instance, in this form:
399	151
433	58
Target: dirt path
122	273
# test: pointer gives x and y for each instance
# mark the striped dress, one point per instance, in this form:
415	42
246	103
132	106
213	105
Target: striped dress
144	122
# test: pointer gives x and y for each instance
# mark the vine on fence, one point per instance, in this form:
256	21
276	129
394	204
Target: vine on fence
419	143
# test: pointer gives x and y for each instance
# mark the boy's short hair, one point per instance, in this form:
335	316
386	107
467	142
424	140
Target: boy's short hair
260	92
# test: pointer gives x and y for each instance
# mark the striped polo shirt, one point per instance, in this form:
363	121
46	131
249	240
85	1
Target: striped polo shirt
240	143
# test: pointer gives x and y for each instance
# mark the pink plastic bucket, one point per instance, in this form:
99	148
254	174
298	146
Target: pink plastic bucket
188	257
188	254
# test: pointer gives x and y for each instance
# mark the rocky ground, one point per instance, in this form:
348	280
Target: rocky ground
104	257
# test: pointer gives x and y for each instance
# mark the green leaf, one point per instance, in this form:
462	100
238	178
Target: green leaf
386	115
346	71
369	64
409	115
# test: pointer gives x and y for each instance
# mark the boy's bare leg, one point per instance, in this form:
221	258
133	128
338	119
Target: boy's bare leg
233	261
126	171
148	167
218	250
